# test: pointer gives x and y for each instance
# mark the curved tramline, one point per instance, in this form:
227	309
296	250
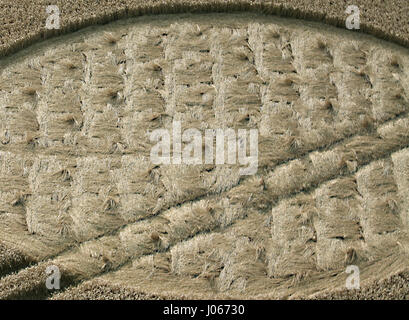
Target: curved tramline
79	188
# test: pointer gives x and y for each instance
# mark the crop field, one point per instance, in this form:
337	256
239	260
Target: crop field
79	190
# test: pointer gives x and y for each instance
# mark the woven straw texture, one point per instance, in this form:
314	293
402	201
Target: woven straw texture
78	189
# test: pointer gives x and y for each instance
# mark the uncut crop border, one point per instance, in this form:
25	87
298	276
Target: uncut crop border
192	6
